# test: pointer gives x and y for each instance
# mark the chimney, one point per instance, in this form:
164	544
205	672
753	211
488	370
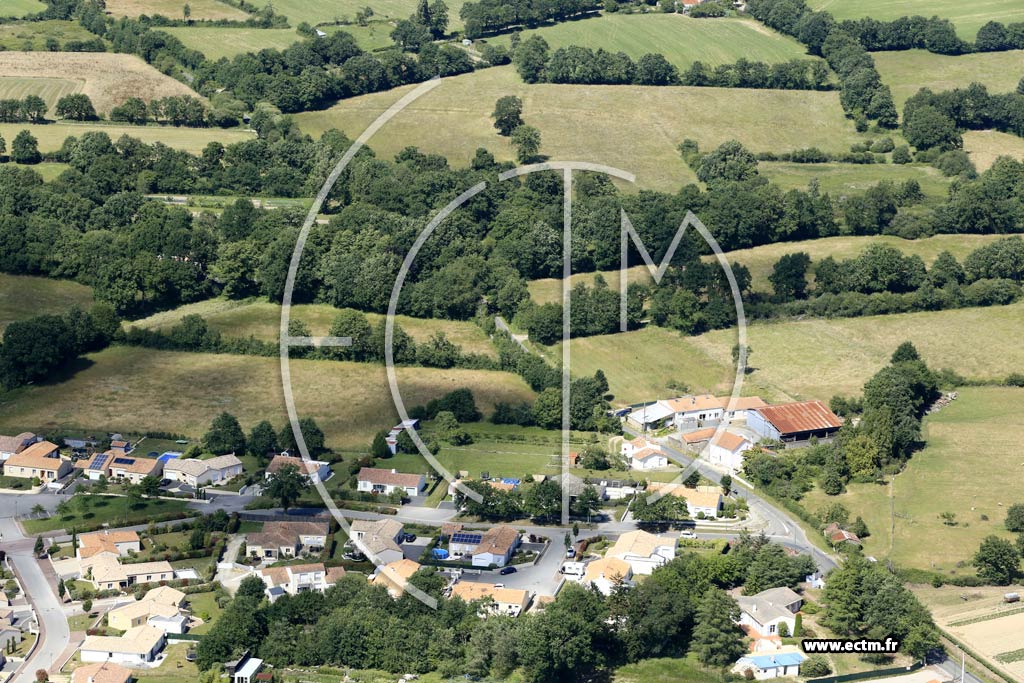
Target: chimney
394	471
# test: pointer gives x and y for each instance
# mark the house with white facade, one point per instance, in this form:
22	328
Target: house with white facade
297	578
138	646
607	573
385	482
766	665
287	539
379	539
727	448
644	454
12	445
210	472
509	602
694	412
762	614
643	551
313	470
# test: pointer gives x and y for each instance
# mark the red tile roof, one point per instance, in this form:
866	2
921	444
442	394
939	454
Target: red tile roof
805	416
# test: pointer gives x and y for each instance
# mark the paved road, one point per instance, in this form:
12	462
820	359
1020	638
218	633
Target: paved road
55	635
780	527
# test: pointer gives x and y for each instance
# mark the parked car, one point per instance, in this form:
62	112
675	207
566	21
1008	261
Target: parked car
409	538
571	552
505	571
687	533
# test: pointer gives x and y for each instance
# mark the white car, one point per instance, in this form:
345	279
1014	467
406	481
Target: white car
687	534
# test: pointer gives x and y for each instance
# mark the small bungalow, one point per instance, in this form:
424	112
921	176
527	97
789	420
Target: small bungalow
375	480
643	551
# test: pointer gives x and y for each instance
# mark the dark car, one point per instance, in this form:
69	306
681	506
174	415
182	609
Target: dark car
165	482
505	571
409	538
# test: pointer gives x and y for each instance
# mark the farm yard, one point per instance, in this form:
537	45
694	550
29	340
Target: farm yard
182	392
109	79
52	135
262	320
223	41
679	38
967	17
594	122
23	296
173	9
908	71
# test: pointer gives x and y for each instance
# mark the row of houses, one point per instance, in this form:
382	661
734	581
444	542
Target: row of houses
194	472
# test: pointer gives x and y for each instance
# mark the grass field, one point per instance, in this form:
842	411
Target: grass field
33	35
109	79
103	509
23	296
970	458
631	127
52	135
805	359
968	17
985	146
226	41
679	38
665	670
840	180
262	320
908	71
331	11
174	9
50	89
19	8
815	359
639	365
374	36
132	388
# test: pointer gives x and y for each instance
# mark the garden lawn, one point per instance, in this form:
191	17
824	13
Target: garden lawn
681	39
204	605
967	17
907	71
261	319
110	510
967	466
183	392
24	296
634	128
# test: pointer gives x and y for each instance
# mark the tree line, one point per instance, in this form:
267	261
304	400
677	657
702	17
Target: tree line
934	120
536	63
493	16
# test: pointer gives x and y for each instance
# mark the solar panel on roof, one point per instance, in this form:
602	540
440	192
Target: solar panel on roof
98	463
466	538
124	461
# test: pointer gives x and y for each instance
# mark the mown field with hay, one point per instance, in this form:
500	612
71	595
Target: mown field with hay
24	296
634	128
52	135
908	71
967	17
679	38
262	320
133	389
174	9
109	79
